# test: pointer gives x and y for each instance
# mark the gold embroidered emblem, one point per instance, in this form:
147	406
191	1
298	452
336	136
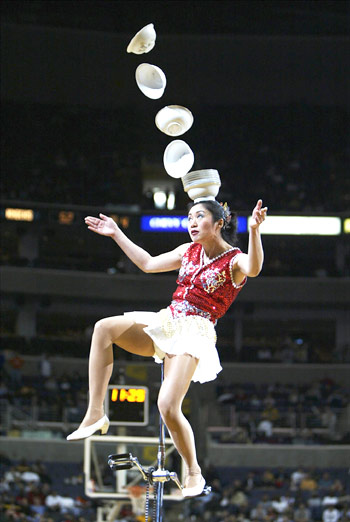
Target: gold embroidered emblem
212	279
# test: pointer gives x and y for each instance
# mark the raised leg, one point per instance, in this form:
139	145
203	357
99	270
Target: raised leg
127	335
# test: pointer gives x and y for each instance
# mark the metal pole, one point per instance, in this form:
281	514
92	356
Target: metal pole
160	459
156	477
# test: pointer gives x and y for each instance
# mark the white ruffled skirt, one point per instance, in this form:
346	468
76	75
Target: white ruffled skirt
191	334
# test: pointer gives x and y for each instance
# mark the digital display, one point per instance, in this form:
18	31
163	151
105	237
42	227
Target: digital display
127	405
128	394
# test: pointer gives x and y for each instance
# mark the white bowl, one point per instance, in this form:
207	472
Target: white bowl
174	120
151	80
208	192
178	158
143	41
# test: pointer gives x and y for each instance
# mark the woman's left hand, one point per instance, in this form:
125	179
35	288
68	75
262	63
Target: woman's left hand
258	215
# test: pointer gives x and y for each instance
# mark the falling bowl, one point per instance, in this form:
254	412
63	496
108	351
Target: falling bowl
174	120
150	80
143	41
178	158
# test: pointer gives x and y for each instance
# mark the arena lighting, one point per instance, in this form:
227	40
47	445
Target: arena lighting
171	201
19	214
159	198
178	224
122	221
66	217
347	226
301	226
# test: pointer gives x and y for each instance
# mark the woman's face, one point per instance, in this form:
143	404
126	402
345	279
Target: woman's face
201	225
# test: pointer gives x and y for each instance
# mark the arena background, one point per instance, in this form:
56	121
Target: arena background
268	85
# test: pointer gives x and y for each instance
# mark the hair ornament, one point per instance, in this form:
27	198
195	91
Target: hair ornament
226	214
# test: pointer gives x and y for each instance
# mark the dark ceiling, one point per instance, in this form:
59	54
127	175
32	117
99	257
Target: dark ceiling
296	17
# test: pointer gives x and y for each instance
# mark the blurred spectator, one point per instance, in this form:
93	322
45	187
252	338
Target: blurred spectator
37	507
265	427
45	366
331	514
35	495
308	483
271	413
53	501
314	503
286	354
330	499
325	482
30	476
282	504
264	354
268	479
337	487
250	482
302	513
226	496
239	498
258	513
4	391
329	419
16	363
296	477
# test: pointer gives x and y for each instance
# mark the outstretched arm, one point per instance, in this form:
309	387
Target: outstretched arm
105	226
250	264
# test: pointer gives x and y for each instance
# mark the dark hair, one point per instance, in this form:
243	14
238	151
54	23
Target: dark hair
218	211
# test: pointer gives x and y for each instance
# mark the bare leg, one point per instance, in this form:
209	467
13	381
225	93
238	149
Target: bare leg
126	334
178	372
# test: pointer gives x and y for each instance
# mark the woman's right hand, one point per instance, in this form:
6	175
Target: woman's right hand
103	225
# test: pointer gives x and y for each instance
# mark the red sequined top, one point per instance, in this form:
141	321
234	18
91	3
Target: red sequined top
206	290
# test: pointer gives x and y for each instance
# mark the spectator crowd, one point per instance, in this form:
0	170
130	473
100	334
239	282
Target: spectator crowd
272	413
282	413
53	492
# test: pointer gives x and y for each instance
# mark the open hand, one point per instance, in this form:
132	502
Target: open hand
103	225
258	215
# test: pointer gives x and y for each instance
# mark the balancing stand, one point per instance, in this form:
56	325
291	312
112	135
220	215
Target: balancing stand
153	477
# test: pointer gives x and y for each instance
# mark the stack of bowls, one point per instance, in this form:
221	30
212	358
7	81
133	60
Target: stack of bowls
202	184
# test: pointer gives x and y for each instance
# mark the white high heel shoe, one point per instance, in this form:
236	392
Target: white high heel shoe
195	491
83	433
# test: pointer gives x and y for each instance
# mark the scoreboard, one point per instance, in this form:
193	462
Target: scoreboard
127	405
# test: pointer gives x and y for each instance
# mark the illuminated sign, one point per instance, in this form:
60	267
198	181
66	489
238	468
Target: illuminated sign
65	217
301	225
178	224
164	223
122	221
127	405
347	226
19	214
